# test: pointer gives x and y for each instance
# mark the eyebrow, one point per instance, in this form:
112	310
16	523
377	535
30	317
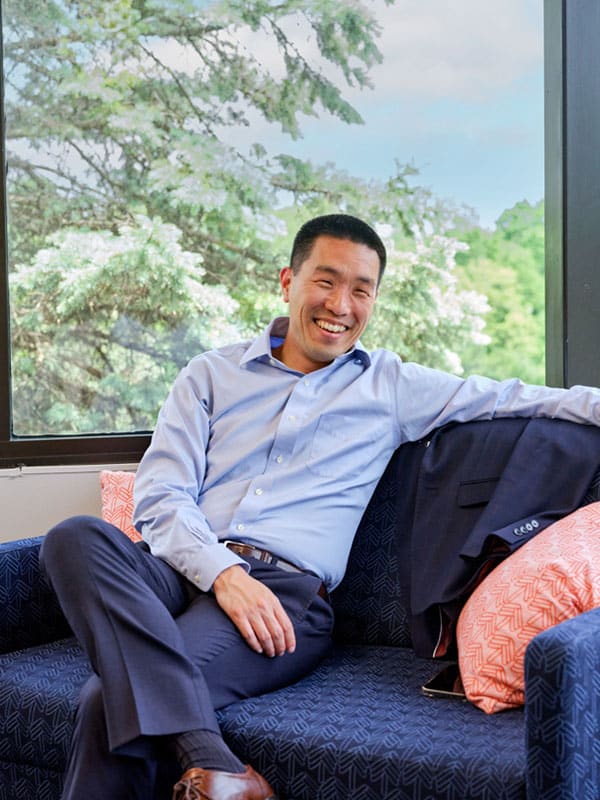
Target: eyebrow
335	272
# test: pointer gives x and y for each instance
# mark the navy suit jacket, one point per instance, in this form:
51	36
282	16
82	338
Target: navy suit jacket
483	489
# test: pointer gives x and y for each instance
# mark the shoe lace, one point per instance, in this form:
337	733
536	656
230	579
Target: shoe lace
185	790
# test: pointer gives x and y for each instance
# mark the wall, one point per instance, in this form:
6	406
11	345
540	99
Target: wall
32	499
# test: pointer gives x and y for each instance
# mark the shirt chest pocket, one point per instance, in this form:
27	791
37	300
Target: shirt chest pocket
340	449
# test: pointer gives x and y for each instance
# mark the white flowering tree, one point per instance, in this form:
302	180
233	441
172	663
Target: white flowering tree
103	321
421	313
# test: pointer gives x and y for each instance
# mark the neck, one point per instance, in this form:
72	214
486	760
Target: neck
298	365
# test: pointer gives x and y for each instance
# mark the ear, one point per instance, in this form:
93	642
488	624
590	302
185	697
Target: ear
285	279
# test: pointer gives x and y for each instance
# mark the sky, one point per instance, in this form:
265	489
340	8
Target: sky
459	95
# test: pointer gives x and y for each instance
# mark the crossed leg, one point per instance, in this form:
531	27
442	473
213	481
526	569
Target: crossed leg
165	656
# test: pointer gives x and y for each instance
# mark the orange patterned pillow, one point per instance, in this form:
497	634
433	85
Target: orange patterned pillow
116	489
554	576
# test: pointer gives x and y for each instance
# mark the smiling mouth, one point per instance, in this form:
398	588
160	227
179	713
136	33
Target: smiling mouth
331	327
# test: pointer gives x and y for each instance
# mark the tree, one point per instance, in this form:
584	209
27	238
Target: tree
126	309
422	310
507	264
121	123
120	108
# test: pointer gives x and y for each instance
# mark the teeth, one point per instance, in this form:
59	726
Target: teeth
328	326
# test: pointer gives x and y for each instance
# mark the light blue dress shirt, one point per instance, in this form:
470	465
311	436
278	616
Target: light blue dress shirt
247	449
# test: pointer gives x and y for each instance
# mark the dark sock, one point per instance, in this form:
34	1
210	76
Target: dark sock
205	749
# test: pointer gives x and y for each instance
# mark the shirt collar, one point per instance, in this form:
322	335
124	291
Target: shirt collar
261	346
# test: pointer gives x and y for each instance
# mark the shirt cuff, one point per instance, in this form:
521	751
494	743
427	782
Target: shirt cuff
209	563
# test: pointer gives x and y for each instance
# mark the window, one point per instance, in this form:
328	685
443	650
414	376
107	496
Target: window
155	171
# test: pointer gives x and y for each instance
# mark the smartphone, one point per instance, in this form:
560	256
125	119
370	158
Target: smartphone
446	683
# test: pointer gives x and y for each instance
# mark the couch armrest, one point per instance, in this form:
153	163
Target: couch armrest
562	710
29	611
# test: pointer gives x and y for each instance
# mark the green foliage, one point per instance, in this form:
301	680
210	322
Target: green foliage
507	265
134	100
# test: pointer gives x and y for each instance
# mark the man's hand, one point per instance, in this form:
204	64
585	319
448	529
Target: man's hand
256	612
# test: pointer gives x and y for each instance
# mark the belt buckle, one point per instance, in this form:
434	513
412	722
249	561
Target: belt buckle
263	555
235	547
249	550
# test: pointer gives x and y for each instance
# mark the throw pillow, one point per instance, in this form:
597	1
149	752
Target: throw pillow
554	576
116	489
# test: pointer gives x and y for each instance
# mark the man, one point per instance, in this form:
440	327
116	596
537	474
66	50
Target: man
264	457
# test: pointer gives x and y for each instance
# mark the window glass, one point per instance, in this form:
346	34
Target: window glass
161	154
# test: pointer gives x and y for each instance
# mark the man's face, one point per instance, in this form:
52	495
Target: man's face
331	299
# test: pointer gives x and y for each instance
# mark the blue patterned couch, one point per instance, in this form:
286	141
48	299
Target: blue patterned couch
358	727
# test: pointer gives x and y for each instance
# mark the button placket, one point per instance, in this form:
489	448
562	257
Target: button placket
284	444
251	506
289	427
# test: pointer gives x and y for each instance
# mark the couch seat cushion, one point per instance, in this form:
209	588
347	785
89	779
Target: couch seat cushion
359	727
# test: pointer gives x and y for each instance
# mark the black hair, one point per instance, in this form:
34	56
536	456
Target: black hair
339	226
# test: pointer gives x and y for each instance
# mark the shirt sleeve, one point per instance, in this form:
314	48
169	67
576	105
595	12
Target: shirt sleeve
428	398
168	484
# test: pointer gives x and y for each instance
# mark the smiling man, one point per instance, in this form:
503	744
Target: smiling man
264	457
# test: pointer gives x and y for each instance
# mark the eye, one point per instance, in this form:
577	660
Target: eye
324	282
363	293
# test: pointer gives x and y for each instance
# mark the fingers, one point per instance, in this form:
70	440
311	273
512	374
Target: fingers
266	627
289	636
256	612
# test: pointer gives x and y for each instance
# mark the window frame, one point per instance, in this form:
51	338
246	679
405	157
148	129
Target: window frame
572	177
572	173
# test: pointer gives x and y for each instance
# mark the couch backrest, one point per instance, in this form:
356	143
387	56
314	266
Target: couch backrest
371	603
30	612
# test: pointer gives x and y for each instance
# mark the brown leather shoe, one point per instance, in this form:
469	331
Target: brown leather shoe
209	784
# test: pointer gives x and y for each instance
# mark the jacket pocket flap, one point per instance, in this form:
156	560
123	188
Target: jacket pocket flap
476	493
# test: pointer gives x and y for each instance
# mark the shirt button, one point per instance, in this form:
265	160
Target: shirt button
306	382
197	578
292	418
240	527
258	491
279	459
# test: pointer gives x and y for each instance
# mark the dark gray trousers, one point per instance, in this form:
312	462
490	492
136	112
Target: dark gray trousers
164	654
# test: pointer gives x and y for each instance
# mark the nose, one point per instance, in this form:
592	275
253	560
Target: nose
338	301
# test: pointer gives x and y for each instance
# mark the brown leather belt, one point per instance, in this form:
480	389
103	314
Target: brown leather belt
264	555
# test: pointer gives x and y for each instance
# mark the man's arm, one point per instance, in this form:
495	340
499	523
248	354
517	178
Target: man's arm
168	482
428	399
